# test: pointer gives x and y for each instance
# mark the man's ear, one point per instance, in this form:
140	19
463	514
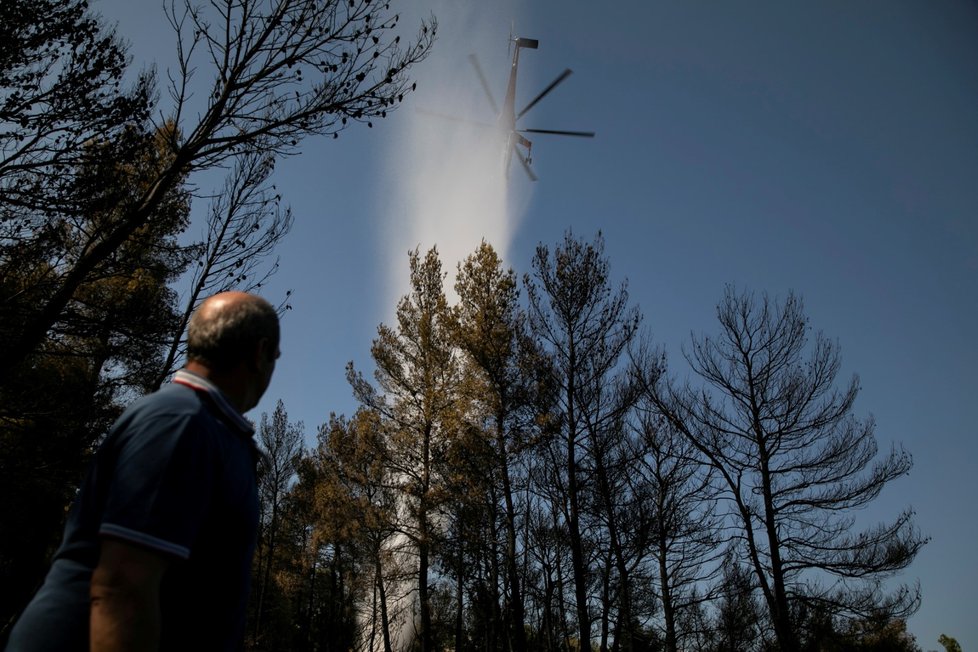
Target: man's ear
257	356
264	352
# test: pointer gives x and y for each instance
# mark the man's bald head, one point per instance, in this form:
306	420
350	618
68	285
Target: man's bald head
227	327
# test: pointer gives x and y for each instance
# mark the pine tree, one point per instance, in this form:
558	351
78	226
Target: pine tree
418	373
795	464
585	326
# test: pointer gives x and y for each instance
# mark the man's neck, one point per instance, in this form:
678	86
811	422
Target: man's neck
231	384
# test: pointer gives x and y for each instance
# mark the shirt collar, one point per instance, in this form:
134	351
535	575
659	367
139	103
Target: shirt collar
201	384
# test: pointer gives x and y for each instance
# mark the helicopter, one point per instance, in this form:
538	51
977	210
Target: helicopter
506	123
508	116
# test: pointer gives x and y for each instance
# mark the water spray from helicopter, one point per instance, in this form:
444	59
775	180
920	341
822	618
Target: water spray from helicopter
453	185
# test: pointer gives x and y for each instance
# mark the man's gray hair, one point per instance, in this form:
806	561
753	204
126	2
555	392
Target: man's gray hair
222	338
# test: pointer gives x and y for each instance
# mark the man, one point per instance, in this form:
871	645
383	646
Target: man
157	549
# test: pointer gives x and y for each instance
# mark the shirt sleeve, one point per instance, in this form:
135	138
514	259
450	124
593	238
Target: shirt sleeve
161	486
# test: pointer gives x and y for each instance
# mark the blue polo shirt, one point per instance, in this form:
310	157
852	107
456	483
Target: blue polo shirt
176	474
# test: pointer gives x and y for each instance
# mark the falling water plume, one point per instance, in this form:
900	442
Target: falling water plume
447	162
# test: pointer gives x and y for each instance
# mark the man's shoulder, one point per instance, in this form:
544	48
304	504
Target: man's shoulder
169	399
168	411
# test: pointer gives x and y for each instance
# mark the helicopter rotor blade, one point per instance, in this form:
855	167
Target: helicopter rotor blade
582	134
453	118
561	77
485	84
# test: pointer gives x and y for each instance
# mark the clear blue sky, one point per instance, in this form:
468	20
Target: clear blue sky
827	148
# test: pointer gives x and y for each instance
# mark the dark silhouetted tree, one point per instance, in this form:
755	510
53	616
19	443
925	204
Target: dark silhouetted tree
245	222
279	71
93	193
281	441
794	463
738	626
104	349
584	325
684	530
61	76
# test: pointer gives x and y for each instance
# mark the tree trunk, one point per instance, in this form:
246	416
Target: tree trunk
573	521
424	542
459	598
267	574
423	604
517	614
605	604
382	592
665	590
780	614
617	553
